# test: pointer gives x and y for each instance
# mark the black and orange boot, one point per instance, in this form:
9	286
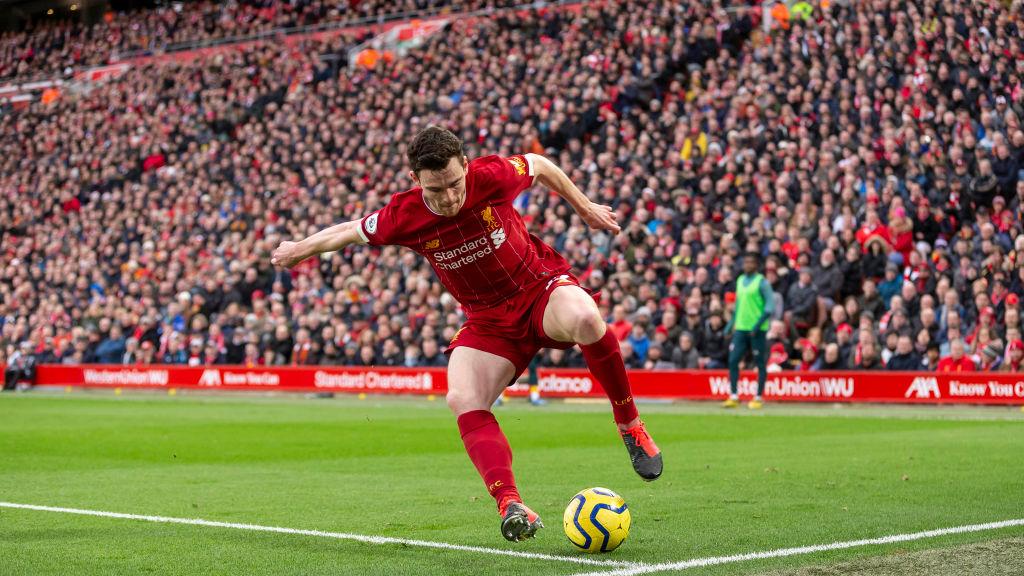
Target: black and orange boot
519	522
643	452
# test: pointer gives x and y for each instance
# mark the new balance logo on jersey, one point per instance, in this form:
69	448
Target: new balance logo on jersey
432	244
923	387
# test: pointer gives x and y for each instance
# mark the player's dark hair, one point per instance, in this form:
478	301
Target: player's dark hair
433	148
751	254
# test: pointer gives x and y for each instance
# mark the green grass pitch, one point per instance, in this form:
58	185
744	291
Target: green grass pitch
734	482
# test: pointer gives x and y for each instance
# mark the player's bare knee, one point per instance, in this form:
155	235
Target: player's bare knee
588	326
460	402
455	402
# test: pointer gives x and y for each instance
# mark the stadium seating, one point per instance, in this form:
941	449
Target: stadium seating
62	47
876	144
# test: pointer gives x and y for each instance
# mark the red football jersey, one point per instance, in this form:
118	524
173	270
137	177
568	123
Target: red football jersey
483	255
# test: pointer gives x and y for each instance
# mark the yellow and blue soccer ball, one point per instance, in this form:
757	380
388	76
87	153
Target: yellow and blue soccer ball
596	520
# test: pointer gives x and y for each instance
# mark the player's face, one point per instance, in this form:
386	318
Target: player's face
444	190
749	265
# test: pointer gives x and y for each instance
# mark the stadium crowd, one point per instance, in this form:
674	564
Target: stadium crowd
66	46
871	154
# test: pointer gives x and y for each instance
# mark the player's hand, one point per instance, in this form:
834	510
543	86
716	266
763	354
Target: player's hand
287	254
600	217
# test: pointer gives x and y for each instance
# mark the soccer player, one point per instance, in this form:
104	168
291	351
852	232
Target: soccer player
755	303
518	294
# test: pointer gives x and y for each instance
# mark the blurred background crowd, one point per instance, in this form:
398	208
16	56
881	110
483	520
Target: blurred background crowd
871	152
62	45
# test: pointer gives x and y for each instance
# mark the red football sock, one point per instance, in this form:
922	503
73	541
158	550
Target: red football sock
605	362
489	450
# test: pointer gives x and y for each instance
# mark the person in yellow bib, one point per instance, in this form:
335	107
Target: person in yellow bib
755	303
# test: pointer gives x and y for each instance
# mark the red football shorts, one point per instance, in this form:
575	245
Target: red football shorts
514	330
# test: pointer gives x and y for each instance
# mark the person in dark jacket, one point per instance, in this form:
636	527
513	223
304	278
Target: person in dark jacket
93	340
283	344
832	359
333	356
868	358
875	260
235	347
892	284
716	347
391	354
685	357
368	356
870	300
432	356
802	299
926	227
694	324
1005	168
853	272
47	354
828	276
112	349
905	359
930	362
983	187
148	330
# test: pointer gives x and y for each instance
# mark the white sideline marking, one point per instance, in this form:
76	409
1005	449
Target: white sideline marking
336	535
783	552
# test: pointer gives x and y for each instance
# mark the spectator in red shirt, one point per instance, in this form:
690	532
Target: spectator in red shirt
873	230
901	232
620	326
957	361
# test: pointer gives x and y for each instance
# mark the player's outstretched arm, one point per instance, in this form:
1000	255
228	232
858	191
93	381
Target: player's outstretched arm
336	237
597	216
